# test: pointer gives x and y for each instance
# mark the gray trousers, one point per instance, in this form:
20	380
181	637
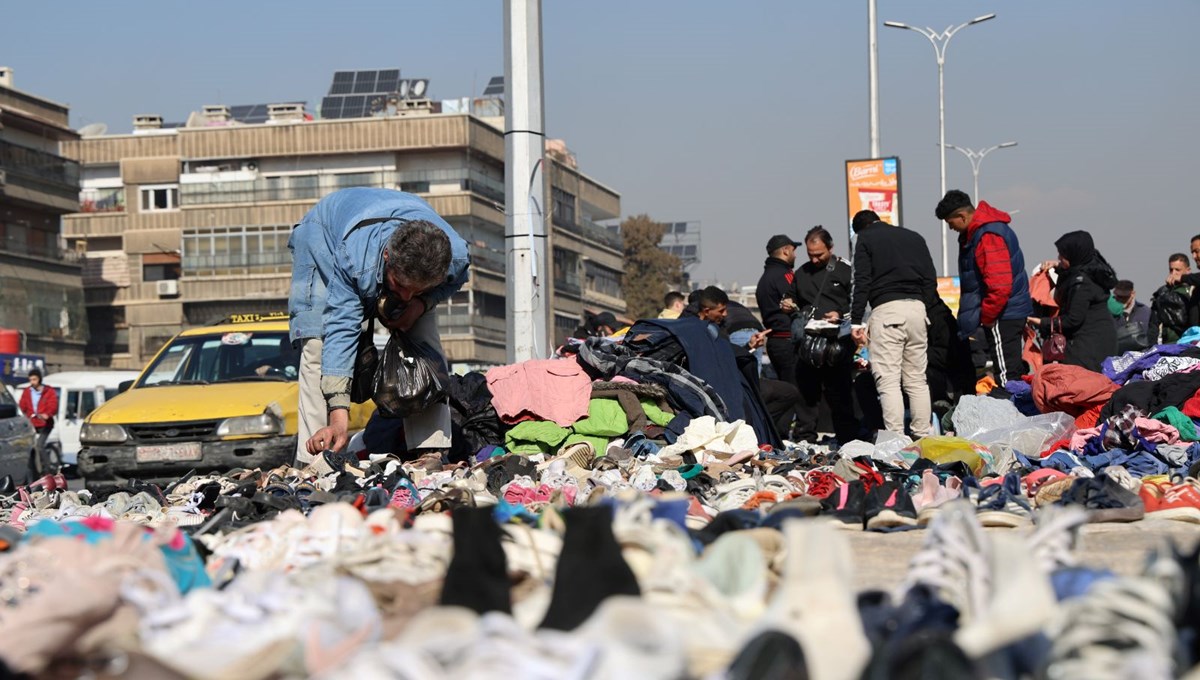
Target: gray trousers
429	429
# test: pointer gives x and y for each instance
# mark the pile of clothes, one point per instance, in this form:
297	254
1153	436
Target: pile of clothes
617	514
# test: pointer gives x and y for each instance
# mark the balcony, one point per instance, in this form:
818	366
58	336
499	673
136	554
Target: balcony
313	187
38	177
466	323
14	239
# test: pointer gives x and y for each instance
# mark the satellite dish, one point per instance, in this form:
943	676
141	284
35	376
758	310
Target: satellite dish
418	87
93	130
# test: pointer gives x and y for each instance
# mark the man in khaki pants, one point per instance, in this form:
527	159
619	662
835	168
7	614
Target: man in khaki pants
894	272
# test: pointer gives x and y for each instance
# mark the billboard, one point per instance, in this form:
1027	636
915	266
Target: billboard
14	368
949	290
874	184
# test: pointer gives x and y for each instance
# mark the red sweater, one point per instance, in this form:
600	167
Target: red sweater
995	265
47	406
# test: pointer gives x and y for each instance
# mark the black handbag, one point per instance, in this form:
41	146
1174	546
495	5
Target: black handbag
410	378
366	362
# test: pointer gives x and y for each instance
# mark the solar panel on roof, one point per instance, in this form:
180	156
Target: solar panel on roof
388	81
331	107
364	82
495	86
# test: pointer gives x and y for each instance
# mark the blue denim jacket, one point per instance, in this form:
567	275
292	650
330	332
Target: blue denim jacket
336	269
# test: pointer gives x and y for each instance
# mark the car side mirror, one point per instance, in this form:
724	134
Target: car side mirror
124	386
8	410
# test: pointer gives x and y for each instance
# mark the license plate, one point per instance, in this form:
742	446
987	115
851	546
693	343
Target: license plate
168	452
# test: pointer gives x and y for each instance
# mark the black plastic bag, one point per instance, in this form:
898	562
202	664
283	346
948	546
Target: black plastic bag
410	378
366	365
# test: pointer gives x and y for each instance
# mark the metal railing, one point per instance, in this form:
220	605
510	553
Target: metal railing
312	187
24	161
21	246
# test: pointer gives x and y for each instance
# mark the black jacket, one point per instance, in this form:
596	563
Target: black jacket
890	263
835	296
1193	308
776	282
1086	321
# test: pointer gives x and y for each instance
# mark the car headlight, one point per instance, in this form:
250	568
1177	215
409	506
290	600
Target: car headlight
98	433
265	423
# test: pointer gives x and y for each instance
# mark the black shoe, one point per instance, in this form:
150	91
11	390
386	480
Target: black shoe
1105	500
847	503
771	655
889	506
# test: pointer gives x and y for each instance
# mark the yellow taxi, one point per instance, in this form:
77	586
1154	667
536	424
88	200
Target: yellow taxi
213	398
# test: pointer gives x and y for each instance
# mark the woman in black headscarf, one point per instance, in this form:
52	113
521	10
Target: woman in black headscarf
1084	281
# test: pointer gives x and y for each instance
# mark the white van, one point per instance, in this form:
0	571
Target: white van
79	393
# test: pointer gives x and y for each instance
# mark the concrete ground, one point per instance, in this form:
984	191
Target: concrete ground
881	560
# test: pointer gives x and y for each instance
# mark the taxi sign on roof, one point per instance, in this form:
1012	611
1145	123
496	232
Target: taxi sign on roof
256	318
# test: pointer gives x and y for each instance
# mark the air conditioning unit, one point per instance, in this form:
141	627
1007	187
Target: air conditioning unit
168	288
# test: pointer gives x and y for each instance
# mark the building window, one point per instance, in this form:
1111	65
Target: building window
164	197
564	207
566	270
603	280
218	251
164	271
564	327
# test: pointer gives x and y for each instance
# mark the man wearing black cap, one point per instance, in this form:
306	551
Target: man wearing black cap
777	282
994	285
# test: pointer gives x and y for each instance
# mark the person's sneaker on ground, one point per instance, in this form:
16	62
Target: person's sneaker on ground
888	506
1105	500
1004	505
1180	502
821	483
847	505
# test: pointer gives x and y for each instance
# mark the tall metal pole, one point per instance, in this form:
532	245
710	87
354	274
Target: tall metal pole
524	188
873	76
976	159
940	41
942	150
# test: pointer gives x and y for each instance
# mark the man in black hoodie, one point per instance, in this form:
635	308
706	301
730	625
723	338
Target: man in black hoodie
894	272
777	283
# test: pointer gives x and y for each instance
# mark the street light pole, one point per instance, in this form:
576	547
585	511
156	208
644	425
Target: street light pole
873	76
940	42
976	158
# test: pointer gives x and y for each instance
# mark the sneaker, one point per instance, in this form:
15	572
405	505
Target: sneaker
1181	503
821	483
1003	505
888	506
934	494
1105	500
1050	492
1121	628
847	505
1055	539
954	562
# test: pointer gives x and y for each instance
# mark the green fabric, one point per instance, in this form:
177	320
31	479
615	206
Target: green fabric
655	414
535	436
1180	421
600	444
605	418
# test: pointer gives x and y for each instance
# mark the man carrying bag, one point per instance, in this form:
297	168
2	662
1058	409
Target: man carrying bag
360	253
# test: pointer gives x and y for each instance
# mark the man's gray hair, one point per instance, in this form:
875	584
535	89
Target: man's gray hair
418	253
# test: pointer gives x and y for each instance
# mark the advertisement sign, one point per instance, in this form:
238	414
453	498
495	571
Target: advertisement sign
14	368
949	291
874	184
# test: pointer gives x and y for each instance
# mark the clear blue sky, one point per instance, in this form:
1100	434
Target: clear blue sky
736	114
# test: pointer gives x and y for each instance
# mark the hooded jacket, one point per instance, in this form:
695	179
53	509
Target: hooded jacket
994	284
776	282
1082	295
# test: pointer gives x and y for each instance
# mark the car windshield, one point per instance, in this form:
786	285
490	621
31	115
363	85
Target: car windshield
231	357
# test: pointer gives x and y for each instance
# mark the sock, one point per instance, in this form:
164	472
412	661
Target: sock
590	569
477	577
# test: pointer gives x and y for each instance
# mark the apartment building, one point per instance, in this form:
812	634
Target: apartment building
184	225
40	291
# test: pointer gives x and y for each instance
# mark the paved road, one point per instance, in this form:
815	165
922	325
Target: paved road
882	559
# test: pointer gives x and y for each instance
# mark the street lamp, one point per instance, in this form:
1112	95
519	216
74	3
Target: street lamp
976	158
940	42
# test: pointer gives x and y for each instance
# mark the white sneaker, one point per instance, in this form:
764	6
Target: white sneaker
954	561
